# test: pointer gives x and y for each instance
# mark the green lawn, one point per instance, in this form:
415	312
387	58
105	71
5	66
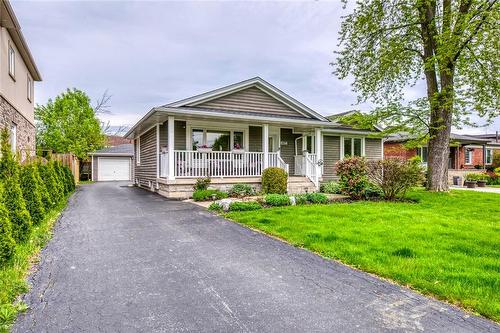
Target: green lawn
446	245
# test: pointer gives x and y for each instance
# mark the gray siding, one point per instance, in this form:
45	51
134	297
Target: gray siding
331	154
373	149
179	135
146	171
255	139
94	168
250	100
288	150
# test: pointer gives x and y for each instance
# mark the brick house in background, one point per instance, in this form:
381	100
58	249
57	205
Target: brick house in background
116	140
467	152
18	71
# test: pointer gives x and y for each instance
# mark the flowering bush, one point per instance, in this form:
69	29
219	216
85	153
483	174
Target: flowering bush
353	176
395	176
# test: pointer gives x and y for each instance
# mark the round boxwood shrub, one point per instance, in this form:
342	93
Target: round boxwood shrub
7	243
277	200
274	181
31	193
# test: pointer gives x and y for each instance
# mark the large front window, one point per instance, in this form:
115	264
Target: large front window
353	147
218	140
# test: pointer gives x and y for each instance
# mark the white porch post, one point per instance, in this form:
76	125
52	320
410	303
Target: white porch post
158	166
171	143
319	153
265	145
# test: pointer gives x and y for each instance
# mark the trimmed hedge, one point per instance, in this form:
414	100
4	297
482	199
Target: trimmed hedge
7	243
274	181
32	193
47	174
44	193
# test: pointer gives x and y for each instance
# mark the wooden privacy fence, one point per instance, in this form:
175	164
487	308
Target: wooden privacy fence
71	161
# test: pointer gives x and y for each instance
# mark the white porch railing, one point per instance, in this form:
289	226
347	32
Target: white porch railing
311	168
195	164
300	163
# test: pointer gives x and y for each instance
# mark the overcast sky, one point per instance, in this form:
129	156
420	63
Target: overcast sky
147	54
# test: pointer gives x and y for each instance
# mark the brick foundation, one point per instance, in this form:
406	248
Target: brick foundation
25	130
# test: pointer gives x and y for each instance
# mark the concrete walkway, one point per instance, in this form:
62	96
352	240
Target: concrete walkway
478	189
125	260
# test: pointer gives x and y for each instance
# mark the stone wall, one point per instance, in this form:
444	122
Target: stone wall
25	129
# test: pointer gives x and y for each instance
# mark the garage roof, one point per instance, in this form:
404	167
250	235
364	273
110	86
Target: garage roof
120	150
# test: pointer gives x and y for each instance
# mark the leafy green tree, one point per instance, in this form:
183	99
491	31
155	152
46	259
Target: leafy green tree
13	196
389	45
7	243
69	125
32	193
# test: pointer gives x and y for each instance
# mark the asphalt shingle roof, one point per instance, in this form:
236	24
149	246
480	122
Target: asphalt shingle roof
125	149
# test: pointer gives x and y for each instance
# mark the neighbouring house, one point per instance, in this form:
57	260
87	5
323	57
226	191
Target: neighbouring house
233	133
18	71
115	140
467	153
113	163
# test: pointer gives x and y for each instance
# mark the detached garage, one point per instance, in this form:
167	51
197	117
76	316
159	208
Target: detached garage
113	163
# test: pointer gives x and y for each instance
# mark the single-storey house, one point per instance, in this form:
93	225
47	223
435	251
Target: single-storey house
113	163
233	133
467	153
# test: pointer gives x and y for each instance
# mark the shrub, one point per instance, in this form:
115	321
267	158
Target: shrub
13	196
472	177
274	181
60	178
395	176
215	207
353	176
44	194
70	179
244	206
241	190
317	198
301	199
205	195
7	243
31	193
496	159
50	182
277	200
330	187
202	184
373	191
494	177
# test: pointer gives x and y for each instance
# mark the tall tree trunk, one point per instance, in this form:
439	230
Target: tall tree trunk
440	130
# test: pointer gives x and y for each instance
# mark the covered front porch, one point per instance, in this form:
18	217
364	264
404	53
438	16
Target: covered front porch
194	148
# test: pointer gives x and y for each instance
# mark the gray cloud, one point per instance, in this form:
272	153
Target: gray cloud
151	53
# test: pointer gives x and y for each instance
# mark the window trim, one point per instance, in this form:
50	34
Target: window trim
467	151
138	151
420	153
350	137
204	128
486	156
11	58
13	137
29	88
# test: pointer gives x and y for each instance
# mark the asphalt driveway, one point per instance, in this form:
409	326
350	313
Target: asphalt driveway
125	260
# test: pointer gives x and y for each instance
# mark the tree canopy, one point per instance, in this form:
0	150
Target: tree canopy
390	45
69	124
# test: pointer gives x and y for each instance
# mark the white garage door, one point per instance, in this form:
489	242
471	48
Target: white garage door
113	168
